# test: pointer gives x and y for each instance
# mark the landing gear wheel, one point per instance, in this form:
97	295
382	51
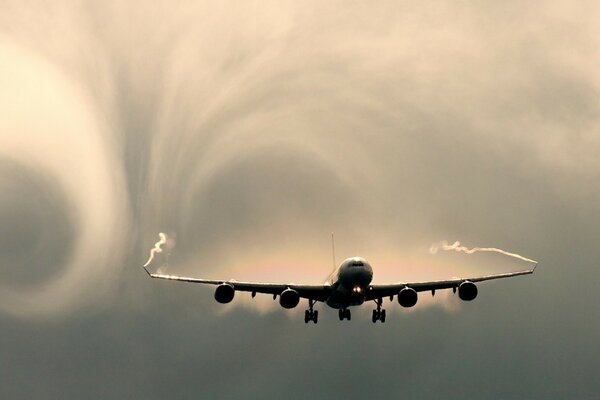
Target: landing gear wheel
378	313
344	314
310	314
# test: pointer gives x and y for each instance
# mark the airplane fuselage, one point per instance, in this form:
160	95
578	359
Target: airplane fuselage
350	283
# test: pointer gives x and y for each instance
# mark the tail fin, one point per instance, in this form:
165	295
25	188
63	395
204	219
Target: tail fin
332	274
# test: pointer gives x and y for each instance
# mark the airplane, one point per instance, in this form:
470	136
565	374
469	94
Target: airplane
348	285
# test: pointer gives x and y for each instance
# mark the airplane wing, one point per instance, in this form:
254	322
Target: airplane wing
311	292
379	291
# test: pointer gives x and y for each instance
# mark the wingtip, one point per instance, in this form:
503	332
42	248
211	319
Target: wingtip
148	272
534	267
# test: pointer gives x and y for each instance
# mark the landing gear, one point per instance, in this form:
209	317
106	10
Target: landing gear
344	313
379	313
378	316
310	314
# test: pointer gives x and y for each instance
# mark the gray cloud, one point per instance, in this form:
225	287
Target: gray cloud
40	241
251	131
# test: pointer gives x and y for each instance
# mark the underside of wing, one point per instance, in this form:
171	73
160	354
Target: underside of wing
407	291
290	293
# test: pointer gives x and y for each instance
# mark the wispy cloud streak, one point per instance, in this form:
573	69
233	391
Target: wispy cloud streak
456	246
157	248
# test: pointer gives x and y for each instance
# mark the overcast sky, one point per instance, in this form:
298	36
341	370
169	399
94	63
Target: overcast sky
248	131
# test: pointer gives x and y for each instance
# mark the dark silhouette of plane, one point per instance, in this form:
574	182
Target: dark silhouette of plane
348	285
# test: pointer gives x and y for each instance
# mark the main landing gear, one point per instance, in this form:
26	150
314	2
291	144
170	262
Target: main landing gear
344	313
379	313
310	314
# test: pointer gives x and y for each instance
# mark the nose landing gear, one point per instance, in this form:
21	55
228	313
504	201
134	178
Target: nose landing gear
344	313
379	313
310	314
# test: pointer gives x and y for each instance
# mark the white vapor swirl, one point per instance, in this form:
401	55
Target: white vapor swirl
157	248
458	248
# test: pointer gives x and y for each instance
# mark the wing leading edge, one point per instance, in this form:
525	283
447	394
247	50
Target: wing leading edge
379	291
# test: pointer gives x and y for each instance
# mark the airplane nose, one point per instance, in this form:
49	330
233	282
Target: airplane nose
359	277
365	277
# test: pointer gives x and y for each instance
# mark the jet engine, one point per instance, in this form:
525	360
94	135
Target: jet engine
289	298
224	293
407	297
467	291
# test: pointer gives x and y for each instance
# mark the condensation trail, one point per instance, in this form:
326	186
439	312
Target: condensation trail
51	128
463	249
157	248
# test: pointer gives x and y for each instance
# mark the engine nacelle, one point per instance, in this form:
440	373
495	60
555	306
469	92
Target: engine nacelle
224	293
467	291
407	297
289	298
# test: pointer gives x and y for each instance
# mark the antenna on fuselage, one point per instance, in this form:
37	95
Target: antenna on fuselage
333	251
